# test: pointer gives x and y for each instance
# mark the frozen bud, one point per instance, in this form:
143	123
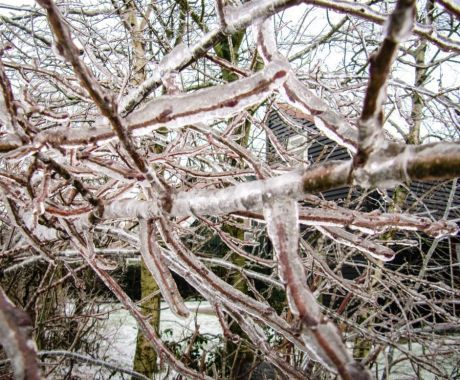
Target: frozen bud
79	46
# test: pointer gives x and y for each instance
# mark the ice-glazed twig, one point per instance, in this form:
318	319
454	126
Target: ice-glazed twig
371	223
77	183
281	216
371	135
248	273
29	235
365	12
8	105
351	240
91	361
16	339
452	6
329	122
154	261
206	105
235	247
300	97
320	335
375	222
214	289
236	18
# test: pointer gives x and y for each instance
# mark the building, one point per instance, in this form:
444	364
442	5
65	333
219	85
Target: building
301	142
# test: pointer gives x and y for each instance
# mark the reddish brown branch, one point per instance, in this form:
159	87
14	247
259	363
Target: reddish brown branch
15	337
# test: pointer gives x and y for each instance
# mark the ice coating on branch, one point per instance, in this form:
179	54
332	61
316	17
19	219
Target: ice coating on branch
153	259
327	121
245	14
321	336
326	333
346	238
81	136
131	208
178	56
266	40
281	216
176	111
386	168
210	104
16	339
374	222
245	196
111	170
297	95
41	231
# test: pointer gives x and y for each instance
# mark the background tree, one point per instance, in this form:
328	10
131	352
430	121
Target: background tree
140	126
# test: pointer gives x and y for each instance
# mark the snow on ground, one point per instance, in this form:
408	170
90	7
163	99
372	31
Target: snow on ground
120	332
121	329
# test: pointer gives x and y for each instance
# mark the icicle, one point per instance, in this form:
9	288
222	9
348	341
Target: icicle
154	261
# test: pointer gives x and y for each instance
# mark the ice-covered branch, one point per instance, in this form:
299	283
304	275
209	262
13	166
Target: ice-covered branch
104	100
401	164
261	9
15	337
186	264
86	249
375	222
153	259
300	97
281	216
320	335
333	125
10	115
29	235
366	246
236	18
91	361
371	136
330	222
176	111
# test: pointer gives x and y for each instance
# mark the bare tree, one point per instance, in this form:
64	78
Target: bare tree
127	120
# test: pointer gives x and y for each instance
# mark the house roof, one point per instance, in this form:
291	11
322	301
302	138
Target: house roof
428	198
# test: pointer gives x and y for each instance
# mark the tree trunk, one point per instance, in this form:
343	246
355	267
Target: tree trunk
145	359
